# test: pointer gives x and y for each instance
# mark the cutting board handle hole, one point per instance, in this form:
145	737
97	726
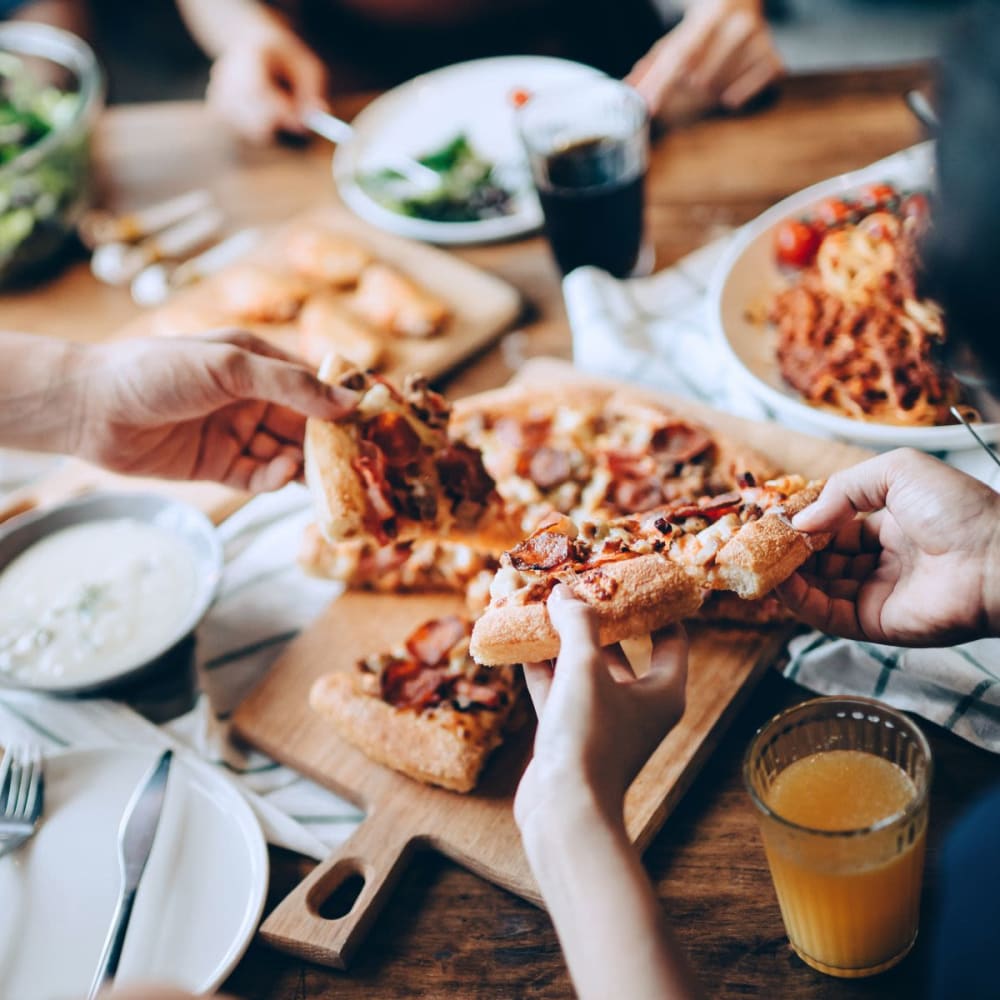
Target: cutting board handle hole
334	896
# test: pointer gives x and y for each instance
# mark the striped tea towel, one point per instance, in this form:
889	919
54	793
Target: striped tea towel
264	600
657	331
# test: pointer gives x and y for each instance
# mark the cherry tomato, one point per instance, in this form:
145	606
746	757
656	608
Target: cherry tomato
917	207
834	212
796	243
878	194
519	97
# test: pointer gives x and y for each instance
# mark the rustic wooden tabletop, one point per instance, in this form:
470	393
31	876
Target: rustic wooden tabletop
446	932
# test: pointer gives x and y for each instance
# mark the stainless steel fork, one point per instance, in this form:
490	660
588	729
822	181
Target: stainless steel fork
22	795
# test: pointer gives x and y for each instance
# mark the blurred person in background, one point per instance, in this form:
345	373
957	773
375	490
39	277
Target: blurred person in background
273	61
68	14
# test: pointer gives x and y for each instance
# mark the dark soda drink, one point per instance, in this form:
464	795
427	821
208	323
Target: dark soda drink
588	147
593	208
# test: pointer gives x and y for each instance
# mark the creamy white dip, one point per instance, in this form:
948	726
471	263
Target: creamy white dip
93	600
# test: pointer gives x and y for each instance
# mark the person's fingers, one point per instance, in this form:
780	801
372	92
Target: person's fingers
280	471
618	665
716	68
245	375
575	622
263	446
668	665
309	81
751	82
538	680
248	341
812	605
674	55
862	488
284	424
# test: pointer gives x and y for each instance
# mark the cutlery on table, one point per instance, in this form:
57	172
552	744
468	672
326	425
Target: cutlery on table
22	796
135	841
922	110
958	415
336	131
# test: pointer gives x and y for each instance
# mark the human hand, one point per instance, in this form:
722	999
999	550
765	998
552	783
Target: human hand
597	722
923	569
721	54
263	82
229	408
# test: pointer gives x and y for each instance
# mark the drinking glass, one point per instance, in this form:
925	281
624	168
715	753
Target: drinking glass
588	147
850	898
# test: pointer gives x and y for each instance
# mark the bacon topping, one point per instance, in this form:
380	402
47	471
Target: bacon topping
463	475
370	465
633	495
545	549
431	642
410	684
549	467
679	443
395	437
711	508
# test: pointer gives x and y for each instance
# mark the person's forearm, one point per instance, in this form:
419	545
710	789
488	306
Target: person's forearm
68	14
42	392
217	24
991	581
600	899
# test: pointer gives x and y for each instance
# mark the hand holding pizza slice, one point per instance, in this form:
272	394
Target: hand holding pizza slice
644	572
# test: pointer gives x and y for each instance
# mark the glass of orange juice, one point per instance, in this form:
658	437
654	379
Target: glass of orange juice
841	787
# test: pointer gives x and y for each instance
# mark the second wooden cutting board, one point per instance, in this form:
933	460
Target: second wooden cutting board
478	830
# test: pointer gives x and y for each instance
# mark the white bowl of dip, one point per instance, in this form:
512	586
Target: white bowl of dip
96	590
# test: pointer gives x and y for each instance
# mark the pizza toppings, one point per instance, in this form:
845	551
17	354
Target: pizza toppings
432	668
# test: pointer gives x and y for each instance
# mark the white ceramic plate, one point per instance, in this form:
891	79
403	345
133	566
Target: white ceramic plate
428	111
199	901
747	275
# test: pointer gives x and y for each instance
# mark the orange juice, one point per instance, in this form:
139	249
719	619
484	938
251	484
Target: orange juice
848	883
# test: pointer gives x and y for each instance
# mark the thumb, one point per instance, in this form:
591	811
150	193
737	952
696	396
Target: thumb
250	376
858	490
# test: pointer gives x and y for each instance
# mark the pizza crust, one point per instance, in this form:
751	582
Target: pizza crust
337	493
632	597
767	552
437	747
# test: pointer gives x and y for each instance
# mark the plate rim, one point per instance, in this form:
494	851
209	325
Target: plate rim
246	821
137	498
944	437
526	220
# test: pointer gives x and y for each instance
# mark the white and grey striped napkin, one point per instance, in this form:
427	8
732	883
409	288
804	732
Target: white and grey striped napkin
657	331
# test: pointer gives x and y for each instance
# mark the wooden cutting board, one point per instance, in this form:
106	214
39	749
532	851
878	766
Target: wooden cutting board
482	305
477	830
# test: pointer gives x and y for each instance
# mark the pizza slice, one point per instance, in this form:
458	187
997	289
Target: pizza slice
425	708
592	451
644	572
390	472
423	566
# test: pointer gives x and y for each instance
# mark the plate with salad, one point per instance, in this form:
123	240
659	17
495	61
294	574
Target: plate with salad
459	122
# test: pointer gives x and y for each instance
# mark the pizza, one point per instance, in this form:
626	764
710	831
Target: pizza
648	570
424	708
425	565
393	303
590	452
389	471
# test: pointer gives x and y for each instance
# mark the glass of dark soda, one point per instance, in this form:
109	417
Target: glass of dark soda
588	147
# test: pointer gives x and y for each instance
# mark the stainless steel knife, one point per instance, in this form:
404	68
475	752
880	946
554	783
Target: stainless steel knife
135	840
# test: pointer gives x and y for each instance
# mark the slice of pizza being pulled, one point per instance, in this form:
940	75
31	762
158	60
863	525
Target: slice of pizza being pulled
389	471
647	571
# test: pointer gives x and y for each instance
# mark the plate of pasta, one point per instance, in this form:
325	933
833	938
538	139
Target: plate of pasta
816	302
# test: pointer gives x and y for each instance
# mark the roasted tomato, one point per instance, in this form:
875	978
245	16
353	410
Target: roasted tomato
834	212
796	243
878	194
916	206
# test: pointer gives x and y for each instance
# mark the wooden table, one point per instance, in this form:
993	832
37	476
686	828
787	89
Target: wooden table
445	932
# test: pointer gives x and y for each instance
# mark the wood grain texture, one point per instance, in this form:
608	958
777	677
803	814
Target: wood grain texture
482	306
478	830
445	932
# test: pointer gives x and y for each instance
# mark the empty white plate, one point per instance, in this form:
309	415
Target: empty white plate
426	112
199	901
